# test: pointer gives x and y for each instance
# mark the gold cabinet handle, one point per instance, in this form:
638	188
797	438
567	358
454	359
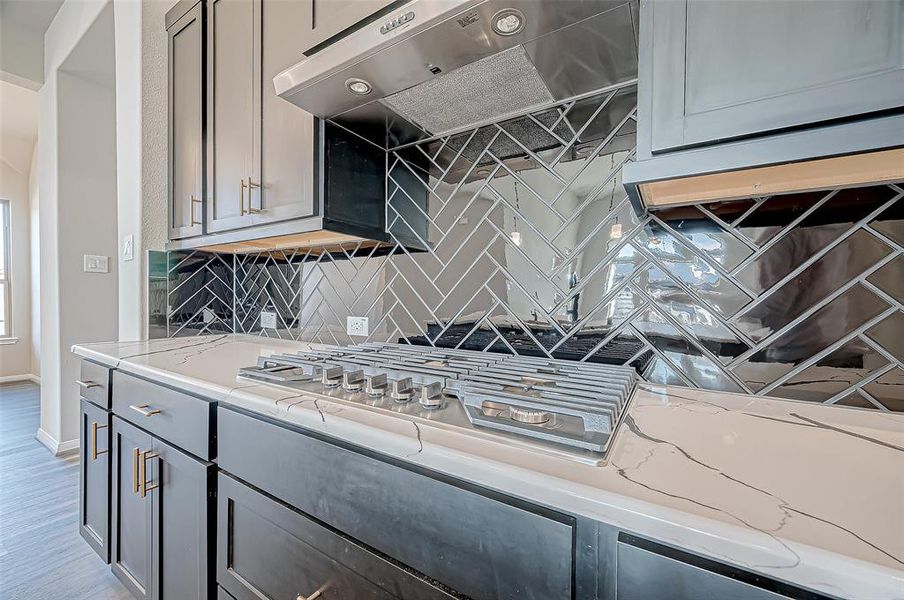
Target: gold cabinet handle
87	384
242	196
145	409
252	185
145	488
136	453
94	451
192	209
316	594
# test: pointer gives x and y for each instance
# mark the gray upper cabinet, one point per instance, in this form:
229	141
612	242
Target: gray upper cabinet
261	148
232	34
714	71
287	133
186	124
328	18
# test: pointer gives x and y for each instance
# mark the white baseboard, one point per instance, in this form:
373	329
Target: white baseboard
55	447
23	377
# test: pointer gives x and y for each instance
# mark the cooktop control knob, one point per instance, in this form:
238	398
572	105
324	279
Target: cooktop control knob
353	381
400	390
431	395
375	385
332	376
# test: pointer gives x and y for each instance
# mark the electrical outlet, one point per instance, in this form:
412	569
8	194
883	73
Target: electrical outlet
208	315
356	326
268	319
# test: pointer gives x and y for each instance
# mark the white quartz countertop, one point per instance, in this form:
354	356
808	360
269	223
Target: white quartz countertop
805	493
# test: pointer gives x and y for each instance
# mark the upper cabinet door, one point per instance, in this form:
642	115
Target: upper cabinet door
715	70
186	131
331	17
287	134
231	35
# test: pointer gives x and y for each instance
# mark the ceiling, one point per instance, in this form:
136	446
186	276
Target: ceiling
33	14
22	27
18	125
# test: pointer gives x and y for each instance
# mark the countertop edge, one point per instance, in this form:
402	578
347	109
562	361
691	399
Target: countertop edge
815	568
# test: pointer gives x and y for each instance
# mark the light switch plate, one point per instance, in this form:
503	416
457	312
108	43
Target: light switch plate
96	264
268	319
128	247
356	326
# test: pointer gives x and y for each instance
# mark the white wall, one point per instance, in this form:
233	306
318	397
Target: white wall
15	358
34	265
141	112
77	205
72	223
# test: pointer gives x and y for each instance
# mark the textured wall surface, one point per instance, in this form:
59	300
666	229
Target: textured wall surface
533	248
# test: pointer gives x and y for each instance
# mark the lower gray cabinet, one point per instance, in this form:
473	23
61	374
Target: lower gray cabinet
650	570
162	503
94	473
265	549
131	514
182	501
477	544
223	594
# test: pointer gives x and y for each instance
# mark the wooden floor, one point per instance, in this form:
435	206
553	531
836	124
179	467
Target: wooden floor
42	555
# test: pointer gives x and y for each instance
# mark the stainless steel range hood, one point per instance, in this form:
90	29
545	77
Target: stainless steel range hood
432	67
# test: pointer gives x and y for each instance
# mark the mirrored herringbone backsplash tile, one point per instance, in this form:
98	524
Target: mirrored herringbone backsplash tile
534	249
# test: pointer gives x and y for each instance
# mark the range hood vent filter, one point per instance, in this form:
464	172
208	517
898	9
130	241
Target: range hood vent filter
500	84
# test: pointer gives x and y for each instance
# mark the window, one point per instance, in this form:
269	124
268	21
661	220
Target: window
5	308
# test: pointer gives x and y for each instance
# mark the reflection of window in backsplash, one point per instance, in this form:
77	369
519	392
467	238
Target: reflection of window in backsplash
532	247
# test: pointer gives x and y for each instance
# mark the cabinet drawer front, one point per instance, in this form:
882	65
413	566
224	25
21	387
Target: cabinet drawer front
94	484
180	419
648	569
94	383
267	550
475	544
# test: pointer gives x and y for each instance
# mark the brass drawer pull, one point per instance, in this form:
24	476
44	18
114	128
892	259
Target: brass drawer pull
242	197
251	209
316	594
87	384
94	451
145	488
145	409
192	209
135	455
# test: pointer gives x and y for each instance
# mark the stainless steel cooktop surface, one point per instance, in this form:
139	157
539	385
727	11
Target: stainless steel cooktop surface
566	407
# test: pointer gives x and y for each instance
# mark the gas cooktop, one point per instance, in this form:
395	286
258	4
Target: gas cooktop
563	406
